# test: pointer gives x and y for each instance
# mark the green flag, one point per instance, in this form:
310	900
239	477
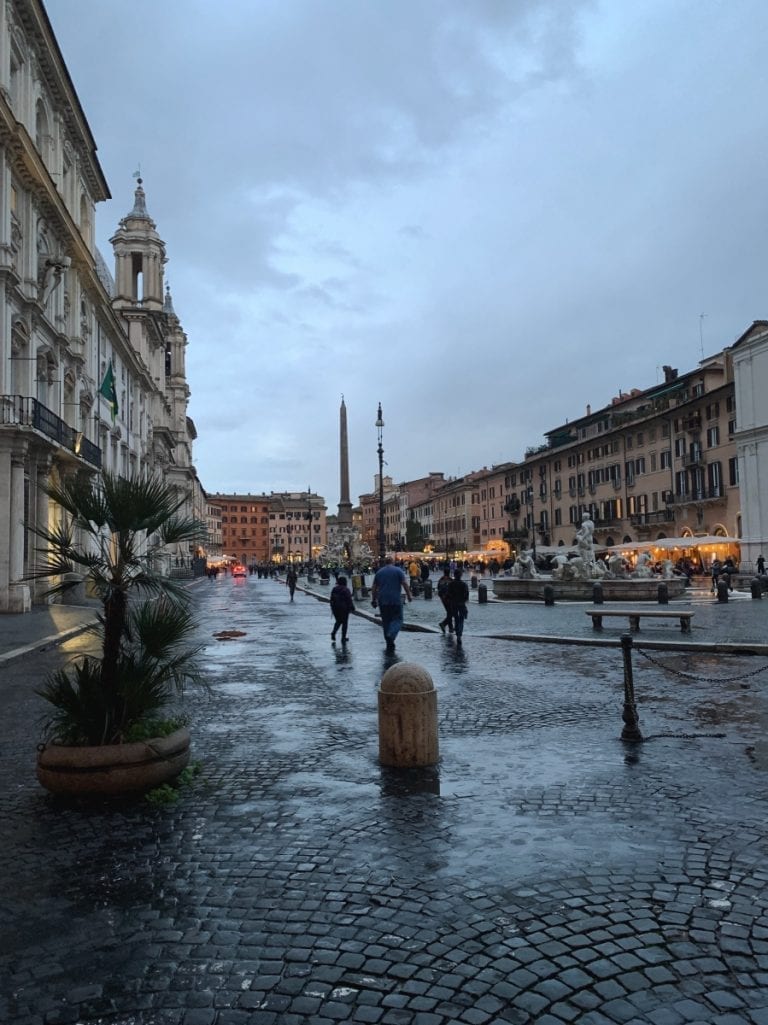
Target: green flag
109	391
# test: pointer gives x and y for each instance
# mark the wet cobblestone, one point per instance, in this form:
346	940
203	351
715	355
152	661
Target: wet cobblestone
545	873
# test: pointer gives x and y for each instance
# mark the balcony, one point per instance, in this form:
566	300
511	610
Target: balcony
693	458
692	423
701	496
651	519
21	411
518	534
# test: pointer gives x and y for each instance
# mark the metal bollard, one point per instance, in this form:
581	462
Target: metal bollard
482	594
428	590
662	593
549	594
756	588
597	594
722	591
473	582
407	717
631	730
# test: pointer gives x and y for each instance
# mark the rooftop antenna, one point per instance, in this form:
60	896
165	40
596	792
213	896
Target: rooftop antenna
701	333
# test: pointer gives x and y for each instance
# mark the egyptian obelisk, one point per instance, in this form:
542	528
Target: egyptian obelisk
345	506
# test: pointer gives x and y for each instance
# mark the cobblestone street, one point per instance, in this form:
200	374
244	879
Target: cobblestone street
544	872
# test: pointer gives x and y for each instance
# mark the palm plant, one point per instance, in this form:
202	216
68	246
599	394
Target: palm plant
109	535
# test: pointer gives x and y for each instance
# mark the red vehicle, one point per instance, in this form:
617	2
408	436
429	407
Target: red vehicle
239	570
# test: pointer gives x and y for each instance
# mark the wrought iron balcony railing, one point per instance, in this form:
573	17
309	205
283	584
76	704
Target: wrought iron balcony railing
23	411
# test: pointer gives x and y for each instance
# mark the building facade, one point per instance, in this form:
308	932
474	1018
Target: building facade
297	526
750	365
244	527
64	323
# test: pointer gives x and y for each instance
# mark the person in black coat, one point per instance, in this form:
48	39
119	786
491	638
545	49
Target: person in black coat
341	607
458	596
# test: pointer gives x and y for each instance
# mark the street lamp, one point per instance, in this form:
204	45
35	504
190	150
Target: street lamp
380	430
309	517
529	496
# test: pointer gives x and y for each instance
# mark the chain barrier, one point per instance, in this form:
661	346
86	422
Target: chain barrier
700	679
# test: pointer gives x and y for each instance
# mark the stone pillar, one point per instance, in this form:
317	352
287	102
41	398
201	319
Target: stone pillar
5	527
407	717
42	504
19	598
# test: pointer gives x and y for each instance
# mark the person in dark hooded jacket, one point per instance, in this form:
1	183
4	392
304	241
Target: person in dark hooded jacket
341	607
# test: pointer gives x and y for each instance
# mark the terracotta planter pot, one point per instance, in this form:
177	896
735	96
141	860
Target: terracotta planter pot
115	768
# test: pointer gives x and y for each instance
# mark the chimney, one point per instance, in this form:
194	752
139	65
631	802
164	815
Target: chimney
669	374
589	410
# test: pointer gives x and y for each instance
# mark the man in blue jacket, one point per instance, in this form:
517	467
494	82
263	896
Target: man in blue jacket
385	593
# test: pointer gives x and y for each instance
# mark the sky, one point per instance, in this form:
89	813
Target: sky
484	214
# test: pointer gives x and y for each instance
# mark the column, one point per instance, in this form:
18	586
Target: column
19	598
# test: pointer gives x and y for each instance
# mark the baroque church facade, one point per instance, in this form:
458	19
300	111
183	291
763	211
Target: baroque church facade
66	324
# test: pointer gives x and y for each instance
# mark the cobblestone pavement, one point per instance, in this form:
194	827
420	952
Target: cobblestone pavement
544	873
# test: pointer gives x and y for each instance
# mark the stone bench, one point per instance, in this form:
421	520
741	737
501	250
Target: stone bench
634	616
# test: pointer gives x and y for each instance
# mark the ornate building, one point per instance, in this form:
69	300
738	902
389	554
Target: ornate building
65	327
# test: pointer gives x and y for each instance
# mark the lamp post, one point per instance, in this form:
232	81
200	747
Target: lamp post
309	517
533	521
380	450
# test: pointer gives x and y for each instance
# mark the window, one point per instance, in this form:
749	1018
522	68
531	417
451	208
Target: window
715	479
732	427
665	430
713	437
679	447
630	441
713	411
640	440
640	465
666	459
558	517
653	461
733	471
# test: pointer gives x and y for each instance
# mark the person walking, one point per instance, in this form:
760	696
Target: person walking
290	578
717	569
458	596
442	593
342	606
761	565
385	593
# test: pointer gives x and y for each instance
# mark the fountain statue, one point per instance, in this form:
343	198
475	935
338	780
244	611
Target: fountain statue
525	567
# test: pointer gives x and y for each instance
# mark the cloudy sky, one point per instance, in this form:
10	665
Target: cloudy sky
483	214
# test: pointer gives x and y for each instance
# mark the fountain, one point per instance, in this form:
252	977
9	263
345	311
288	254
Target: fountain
574	577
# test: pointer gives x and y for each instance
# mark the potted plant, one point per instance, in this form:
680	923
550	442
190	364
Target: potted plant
107	706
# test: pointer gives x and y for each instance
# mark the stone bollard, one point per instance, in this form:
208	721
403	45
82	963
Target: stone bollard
722	591
756	588
428	590
549	594
662	593
597	594
473	582
482	594
407	717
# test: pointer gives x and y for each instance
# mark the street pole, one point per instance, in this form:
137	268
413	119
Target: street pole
309	516
380	432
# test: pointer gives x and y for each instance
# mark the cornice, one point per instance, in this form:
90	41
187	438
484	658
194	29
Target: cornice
32	17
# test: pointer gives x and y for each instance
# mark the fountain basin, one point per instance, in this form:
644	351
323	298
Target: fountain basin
511	589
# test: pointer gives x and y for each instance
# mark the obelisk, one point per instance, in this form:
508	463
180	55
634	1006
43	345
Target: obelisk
345	506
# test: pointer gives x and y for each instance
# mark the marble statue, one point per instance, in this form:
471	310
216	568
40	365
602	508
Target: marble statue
643	568
585	543
524	567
